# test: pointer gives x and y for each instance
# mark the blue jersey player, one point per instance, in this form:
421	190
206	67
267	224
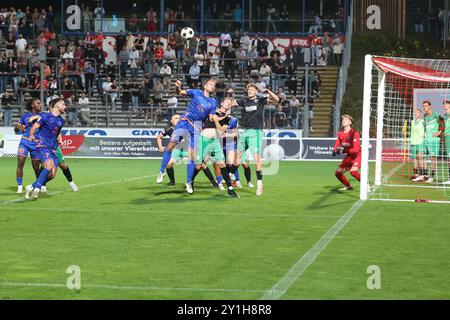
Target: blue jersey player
26	146
190	125
49	125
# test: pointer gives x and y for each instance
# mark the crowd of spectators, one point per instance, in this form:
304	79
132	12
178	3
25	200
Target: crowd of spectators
141	77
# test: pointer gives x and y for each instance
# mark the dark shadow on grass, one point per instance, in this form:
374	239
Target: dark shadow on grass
332	191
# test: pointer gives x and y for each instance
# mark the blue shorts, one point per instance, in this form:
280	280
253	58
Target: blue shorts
26	148
185	130
48	154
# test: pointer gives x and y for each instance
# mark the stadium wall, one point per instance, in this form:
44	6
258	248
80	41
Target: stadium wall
135	143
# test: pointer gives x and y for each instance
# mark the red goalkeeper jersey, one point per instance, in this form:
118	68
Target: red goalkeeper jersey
350	141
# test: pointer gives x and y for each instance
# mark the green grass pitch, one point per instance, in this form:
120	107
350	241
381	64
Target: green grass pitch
138	240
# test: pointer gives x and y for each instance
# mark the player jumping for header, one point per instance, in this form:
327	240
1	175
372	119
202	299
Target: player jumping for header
49	125
190	126
348	143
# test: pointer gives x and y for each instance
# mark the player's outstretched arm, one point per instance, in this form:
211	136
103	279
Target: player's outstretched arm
159	142
273	98
33	130
178	90
219	127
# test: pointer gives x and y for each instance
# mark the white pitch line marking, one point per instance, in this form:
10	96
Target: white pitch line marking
84	187
283	285
129	288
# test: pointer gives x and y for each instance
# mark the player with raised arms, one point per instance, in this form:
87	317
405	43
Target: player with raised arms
49	125
26	146
252	121
348	143
190	126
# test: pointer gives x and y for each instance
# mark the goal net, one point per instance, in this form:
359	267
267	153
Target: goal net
406	130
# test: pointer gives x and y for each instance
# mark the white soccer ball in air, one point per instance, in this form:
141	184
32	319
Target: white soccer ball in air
273	152
187	33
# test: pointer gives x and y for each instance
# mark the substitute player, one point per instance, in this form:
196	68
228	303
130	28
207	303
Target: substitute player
348	143
432	139
49	125
447	137
252	121
26	146
177	155
190	125
417	146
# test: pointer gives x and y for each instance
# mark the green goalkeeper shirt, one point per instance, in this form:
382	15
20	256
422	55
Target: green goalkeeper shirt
447	125
431	126
417	131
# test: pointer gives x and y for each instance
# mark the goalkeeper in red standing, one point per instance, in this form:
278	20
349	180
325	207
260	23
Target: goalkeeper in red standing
348	143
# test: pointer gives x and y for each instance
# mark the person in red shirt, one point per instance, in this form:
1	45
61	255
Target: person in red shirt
348	143
99	40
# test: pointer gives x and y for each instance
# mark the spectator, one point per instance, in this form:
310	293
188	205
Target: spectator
265	72
418	21
135	87
171	20
133	23
180	46
337	50
170	57
106	87
307	55
194	74
199	57
236	40
7	106
134	60
214	69
113	92
151	20
166	73
21	45
237	17
71	110
284	19
294	107
99	11
242	61
271	17
193	45
5	69
126	94
85	115
246	42
87	19
279	119
225	40
293	81
172	105
230	58
179	16
311	110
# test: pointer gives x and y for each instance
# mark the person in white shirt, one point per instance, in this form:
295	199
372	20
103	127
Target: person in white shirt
85	116
170	56
260	84
294	107
68	54
99	12
106	87
21	45
133	61
246	42
172	104
265	71
214	69
194	74
166	73
243	61
225	40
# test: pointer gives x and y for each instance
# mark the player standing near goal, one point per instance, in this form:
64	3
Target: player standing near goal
26	146
252	121
447	137
190	125
348	143
432	139
417	146
50	125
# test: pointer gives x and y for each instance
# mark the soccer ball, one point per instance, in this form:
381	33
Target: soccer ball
187	33
273	152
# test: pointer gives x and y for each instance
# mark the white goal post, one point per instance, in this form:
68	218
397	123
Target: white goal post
406	128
